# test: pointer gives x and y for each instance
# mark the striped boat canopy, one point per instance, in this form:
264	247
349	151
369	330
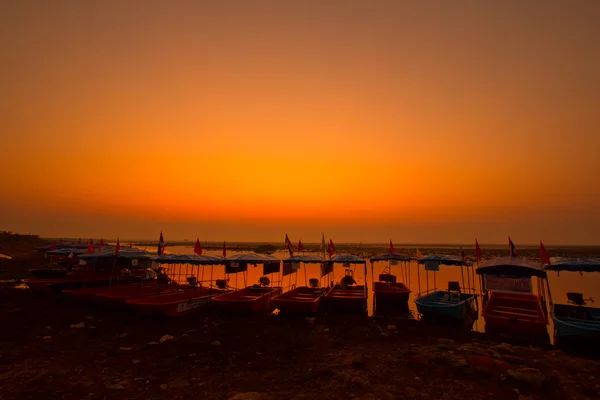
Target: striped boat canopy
574	264
347	259
518	266
391	256
193	259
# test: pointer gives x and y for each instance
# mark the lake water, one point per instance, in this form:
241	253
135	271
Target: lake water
588	283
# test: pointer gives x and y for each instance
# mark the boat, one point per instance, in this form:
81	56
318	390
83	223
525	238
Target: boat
388	292
252	298
97	269
62	260
451	305
510	306
175	299
347	295
302	299
576	320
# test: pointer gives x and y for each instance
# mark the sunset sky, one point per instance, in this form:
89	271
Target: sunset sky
425	121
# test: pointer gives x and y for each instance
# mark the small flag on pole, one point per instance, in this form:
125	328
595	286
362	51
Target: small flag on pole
100	245
391	248
289	246
198	248
513	251
462	254
300	247
161	245
419	254
477	250
331	248
224	249
117	248
52	246
544	255
91	247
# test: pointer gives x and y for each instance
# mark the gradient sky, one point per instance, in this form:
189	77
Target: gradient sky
428	121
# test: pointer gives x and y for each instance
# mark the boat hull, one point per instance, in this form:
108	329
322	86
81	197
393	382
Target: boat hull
174	304
301	300
434	306
571	321
249	299
514	314
390	295
49	273
352	299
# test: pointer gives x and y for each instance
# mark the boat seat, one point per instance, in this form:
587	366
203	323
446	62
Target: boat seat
516	309
529	315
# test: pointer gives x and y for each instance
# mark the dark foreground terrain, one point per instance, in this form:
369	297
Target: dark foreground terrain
53	349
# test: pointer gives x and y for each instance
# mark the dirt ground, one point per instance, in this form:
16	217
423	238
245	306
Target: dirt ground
51	348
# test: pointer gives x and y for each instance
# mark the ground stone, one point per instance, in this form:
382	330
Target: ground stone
247	396
530	376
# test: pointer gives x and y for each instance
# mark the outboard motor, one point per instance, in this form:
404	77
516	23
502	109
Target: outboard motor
313	283
264	281
192	281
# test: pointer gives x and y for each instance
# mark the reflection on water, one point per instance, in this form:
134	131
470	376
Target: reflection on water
588	284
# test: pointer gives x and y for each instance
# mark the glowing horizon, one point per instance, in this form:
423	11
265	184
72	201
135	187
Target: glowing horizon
424	124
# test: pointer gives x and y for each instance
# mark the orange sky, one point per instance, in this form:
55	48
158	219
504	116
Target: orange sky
246	120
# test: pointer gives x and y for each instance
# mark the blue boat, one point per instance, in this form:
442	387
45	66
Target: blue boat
450	305
575	320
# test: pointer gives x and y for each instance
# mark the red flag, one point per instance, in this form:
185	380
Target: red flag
117	248
79	241
544	255
331	248
131	245
100	245
513	251
161	245
300	247
289	246
477	251
73	242
224	249
90	247
391	248
52	246
198	248
462	254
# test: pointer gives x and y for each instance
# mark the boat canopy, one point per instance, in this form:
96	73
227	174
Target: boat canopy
441	260
574	264
66	251
391	256
305	259
253	258
193	259
109	252
518	266
347	259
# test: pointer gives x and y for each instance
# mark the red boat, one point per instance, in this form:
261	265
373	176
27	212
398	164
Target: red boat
177	300
253	298
175	304
352	298
347	296
119	293
509	304
302	299
387	291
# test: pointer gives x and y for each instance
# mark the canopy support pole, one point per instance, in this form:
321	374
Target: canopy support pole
462	273
419	277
